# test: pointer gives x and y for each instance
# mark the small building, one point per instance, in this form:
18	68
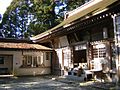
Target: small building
88	37
22	57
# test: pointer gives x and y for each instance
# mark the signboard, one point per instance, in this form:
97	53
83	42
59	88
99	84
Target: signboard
80	47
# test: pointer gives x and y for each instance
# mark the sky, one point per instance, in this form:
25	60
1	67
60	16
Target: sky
3	5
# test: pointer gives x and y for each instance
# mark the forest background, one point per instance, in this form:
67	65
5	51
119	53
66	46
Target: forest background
26	18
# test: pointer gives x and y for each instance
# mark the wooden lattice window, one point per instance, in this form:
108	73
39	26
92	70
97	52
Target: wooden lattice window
99	52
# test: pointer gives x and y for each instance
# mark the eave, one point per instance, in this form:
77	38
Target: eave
94	6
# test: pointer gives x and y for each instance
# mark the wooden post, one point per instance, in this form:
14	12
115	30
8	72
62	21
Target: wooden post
116	47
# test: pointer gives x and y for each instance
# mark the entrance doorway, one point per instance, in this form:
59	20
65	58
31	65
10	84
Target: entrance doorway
6	64
79	57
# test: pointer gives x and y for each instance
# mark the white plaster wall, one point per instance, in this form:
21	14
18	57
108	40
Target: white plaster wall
17	62
63	41
32	71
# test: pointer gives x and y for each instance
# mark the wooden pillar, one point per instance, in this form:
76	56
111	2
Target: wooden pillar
90	55
117	46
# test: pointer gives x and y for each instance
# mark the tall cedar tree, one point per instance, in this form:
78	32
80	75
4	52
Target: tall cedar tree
26	18
73	4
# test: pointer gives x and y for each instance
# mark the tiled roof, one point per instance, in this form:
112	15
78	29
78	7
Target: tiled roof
90	7
9	45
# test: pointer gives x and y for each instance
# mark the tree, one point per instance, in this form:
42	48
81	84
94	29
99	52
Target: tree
0	17
73	4
15	19
44	16
63	6
25	18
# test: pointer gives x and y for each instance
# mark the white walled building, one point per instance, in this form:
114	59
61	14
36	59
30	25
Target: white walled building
18	57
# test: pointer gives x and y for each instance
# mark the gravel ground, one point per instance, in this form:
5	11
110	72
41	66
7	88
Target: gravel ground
48	82
93	85
38	83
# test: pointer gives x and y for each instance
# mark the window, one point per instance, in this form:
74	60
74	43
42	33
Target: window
47	55
99	52
1	60
39	60
31	61
35	63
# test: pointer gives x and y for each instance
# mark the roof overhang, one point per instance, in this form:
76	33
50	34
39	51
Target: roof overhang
94	6
22	46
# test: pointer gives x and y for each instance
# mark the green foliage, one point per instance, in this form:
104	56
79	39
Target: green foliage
26	18
44	16
73	4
